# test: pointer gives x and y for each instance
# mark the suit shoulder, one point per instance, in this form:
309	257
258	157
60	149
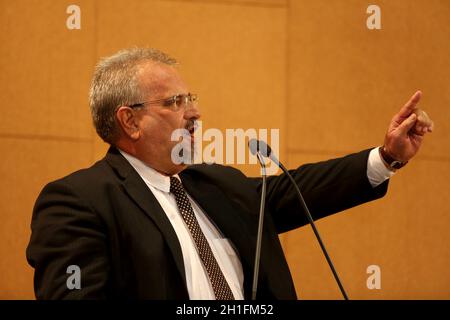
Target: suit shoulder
84	179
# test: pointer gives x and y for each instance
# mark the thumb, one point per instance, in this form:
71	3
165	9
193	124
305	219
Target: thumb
407	124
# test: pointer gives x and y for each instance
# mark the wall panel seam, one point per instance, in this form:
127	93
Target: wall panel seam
44	138
296	151
242	3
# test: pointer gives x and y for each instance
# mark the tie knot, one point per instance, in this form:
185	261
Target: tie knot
175	185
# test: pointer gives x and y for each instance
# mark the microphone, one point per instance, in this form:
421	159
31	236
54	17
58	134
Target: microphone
259	146
255	150
262	149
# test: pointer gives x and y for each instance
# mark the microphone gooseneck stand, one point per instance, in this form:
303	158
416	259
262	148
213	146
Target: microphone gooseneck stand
260	226
261	149
313	226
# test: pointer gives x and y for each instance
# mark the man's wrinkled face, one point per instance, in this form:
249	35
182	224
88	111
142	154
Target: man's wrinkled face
158	121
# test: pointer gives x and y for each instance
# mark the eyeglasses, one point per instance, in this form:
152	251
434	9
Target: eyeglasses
177	101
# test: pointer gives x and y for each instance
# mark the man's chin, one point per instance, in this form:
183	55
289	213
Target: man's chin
188	151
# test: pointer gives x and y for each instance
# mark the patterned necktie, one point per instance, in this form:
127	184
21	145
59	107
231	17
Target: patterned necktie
219	284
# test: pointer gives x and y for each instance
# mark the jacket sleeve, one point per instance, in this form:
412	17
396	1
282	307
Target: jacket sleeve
67	232
327	187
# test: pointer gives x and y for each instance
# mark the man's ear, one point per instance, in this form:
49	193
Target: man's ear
128	122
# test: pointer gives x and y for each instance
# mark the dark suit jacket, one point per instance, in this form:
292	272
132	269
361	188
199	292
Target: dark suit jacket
105	220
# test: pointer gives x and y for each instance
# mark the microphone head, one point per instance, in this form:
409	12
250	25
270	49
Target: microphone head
259	146
253	146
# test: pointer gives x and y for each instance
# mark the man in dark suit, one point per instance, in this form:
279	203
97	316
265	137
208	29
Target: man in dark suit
138	225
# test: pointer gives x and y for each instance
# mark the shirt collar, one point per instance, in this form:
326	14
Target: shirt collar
150	175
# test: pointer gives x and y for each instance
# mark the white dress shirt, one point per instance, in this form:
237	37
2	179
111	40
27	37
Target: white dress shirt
197	281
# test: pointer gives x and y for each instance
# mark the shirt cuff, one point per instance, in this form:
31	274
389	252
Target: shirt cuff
377	172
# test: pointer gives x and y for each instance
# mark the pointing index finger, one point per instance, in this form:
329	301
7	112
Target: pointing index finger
407	109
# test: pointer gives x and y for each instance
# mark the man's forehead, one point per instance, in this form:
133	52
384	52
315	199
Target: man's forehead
159	77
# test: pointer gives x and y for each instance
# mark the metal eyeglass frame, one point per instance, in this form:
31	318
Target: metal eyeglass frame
177	100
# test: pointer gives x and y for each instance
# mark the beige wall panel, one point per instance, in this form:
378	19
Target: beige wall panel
347	81
45	69
25	168
232	55
405	234
309	68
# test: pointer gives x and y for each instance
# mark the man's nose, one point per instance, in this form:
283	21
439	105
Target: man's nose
192	111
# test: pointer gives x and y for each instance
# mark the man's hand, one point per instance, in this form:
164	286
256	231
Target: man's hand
406	130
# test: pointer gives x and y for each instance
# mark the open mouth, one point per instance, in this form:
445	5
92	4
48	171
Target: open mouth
191	127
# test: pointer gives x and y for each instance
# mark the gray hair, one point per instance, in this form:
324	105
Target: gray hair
115	84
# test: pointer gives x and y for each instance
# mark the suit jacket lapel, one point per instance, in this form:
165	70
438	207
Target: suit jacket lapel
144	198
